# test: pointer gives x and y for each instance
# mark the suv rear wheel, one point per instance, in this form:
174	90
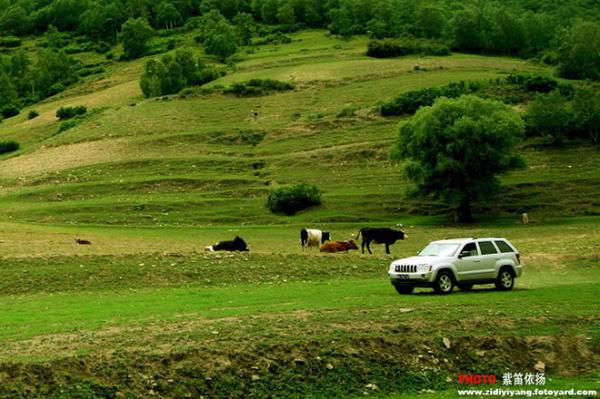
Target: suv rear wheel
444	283
505	280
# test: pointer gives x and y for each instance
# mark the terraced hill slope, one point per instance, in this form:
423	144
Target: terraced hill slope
182	160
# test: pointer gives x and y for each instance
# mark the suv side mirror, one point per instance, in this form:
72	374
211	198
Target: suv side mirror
464	254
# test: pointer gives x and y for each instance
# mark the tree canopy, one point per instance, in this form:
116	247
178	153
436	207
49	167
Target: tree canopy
455	149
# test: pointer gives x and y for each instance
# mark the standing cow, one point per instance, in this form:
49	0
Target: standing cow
313	237
379	236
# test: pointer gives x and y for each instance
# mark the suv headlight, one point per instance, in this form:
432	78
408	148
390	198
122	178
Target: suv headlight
423	268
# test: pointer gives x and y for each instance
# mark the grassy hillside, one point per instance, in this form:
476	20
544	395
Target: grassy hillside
180	159
145	312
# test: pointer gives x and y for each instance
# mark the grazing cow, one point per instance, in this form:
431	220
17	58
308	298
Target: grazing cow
237	244
82	242
338	246
379	236
313	237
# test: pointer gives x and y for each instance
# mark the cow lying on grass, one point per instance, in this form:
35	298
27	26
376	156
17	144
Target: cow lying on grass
379	236
237	244
313	237
82	242
338	246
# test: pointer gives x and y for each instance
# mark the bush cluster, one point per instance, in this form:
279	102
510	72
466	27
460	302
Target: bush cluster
387	48
10	41
168	75
10	110
560	117
258	87
274	38
33	114
69	112
70	123
409	102
533	83
289	200
8	146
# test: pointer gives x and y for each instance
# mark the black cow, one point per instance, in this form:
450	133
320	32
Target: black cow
379	236
237	244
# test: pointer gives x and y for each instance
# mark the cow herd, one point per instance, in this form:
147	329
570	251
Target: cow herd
322	240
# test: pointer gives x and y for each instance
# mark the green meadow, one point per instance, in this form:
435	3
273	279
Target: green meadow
145	311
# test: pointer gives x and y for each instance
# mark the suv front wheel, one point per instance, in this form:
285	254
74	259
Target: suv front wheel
404	290
505	280
444	283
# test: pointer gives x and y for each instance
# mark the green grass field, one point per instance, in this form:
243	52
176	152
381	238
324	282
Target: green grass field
146	312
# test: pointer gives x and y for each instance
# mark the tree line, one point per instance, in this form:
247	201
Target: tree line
25	81
564	33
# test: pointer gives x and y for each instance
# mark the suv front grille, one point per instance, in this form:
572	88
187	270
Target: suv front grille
406	268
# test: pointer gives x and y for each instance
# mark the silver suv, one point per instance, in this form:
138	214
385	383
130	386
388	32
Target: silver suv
462	262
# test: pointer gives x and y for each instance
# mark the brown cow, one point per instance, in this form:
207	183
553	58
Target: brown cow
338	246
82	242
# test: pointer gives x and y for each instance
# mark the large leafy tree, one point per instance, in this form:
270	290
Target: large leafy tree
549	115
135	34
218	35
586	112
455	149
580	51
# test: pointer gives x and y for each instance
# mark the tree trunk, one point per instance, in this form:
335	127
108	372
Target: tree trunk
463	212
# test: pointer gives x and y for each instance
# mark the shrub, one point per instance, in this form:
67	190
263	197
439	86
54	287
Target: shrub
91	70
33	114
69	112
252	138
10	41
397	47
275	38
550	115
70	124
347	112
10	110
533	83
8	146
289	200
409	102
56	88
258	87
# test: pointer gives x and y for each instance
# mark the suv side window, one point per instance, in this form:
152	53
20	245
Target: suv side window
503	247
471	249
487	248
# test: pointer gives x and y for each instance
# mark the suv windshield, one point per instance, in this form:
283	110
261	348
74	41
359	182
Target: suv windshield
439	250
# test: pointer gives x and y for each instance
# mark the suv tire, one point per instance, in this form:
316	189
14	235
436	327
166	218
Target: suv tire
444	283
505	280
404	290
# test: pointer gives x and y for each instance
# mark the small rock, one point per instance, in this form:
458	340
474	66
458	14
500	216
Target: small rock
480	353
255	377
446	343
540	366
329	366
449	379
215	332
406	310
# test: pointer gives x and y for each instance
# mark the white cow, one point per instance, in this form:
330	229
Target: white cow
313	237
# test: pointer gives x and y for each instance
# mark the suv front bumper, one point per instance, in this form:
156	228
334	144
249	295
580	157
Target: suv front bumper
411	279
